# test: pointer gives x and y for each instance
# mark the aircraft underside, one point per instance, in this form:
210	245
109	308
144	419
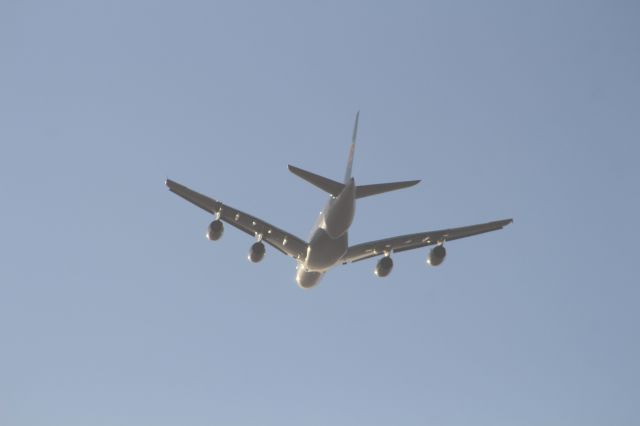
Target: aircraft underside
323	251
307	279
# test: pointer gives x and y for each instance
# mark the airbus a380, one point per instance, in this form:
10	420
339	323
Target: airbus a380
329	242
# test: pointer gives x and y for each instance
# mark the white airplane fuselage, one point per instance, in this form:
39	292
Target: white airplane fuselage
329	239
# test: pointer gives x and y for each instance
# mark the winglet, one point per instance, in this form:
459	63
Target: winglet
347	175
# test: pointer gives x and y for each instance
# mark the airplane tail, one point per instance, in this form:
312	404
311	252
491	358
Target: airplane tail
335	188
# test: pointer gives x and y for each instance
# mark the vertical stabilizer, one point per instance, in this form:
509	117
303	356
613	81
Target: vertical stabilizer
347	175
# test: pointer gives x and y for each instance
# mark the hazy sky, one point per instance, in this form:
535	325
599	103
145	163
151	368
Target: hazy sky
115	310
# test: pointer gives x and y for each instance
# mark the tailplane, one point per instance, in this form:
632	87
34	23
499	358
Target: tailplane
327	185
379	188
335	188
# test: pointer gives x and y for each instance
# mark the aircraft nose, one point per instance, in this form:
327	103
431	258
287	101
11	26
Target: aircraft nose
307	279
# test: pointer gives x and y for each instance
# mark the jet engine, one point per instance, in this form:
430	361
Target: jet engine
436	255
216	228
384	267
257	252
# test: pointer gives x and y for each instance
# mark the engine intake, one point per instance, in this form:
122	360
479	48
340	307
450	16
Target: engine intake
256	253
436	255
384	267
216	228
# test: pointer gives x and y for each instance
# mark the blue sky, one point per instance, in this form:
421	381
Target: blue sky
114	309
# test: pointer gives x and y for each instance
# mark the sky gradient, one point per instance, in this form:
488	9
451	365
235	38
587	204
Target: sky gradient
115	310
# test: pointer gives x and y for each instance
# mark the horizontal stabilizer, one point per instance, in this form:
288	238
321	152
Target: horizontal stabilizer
379	188
331	186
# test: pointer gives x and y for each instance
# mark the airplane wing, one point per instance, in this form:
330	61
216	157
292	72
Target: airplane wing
284	241
413	241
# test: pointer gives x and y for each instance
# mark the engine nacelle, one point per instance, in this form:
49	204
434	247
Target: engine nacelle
257	252
216	228
384	267
436	255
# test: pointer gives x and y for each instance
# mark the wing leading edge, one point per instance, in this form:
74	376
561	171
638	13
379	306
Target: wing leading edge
414	241
284	241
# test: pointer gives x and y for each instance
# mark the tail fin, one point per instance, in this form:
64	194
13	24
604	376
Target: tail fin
347	175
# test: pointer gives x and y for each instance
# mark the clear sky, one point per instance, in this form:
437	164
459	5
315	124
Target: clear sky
115	310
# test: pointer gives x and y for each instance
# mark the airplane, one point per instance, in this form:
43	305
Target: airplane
328	245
